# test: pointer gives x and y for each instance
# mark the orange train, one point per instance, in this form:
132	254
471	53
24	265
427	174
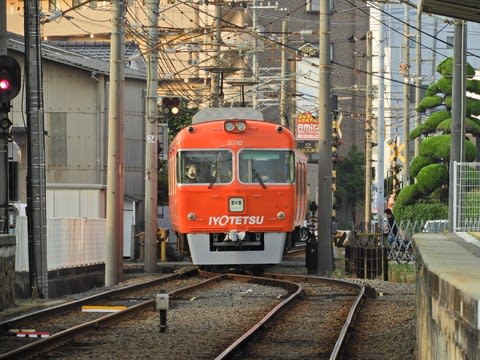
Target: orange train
237	188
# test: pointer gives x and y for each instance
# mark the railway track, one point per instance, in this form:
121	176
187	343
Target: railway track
210	314
50	327
314	326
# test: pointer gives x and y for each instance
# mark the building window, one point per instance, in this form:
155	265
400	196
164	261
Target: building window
449	42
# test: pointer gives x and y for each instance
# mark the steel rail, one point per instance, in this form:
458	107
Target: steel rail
295	291
40	346
15	322
347	326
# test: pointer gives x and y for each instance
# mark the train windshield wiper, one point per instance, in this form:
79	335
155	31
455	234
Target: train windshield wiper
256	176
213	181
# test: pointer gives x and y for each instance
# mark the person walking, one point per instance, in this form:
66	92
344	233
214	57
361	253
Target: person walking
390	230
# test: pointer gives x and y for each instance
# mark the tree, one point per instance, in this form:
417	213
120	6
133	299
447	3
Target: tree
429	194
351	181
179	121
175	123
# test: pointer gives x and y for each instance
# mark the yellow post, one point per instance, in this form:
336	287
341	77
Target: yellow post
162	237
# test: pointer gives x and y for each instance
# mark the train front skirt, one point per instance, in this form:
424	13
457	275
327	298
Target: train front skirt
269	251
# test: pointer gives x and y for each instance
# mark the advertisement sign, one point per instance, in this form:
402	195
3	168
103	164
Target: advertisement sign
307	127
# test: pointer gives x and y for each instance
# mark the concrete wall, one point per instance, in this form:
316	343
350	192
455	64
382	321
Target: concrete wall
447	297
7	271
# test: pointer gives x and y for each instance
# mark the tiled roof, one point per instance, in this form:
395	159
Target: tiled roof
74	58
93	49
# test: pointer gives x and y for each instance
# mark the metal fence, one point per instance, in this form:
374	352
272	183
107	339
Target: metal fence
466	196
367	254
401	249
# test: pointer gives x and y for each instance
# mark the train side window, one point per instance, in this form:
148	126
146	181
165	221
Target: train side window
204	166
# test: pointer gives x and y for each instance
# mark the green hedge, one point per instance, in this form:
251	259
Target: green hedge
472	210
431	177
445	68
418	163
438	148
408	195
421	210
429	102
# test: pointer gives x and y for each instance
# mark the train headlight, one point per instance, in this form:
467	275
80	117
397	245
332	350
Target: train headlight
241	126
229	126
235	126
192	216
280	215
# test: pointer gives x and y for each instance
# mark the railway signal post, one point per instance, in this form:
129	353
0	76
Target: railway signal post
9	88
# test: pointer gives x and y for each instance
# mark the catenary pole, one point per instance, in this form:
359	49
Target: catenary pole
325	203
3	28
36	180
151	140
406	99
283	77
458	113
368	136
381	122
115	165
418	76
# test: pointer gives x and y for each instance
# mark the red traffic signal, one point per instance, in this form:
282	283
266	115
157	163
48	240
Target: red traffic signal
10	79
171	105
4	84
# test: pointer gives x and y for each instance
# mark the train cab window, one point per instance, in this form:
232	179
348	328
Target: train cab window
204	167
266	166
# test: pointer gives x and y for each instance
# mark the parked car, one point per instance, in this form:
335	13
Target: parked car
435	226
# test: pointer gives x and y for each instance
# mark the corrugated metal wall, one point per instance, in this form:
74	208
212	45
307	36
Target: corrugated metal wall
81	203
70	242
134	140
76	122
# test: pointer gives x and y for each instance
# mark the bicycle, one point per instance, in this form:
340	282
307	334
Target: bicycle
308	229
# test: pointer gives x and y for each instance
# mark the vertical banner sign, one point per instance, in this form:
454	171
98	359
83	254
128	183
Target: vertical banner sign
307	127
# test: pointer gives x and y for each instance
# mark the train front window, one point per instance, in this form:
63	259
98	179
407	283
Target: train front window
266	166
204	166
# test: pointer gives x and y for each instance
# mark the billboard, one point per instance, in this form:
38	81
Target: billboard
307	127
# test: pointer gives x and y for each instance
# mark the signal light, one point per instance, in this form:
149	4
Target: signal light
10	81
171	105
4	84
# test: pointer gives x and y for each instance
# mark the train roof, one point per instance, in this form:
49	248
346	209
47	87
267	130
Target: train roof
211	114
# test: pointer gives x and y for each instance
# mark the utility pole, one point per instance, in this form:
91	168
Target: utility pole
36	181
381	123
216	74
368	136
458	113
325	200
254	55
283	76
3	29
418	77
406	99
151	141
116	147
